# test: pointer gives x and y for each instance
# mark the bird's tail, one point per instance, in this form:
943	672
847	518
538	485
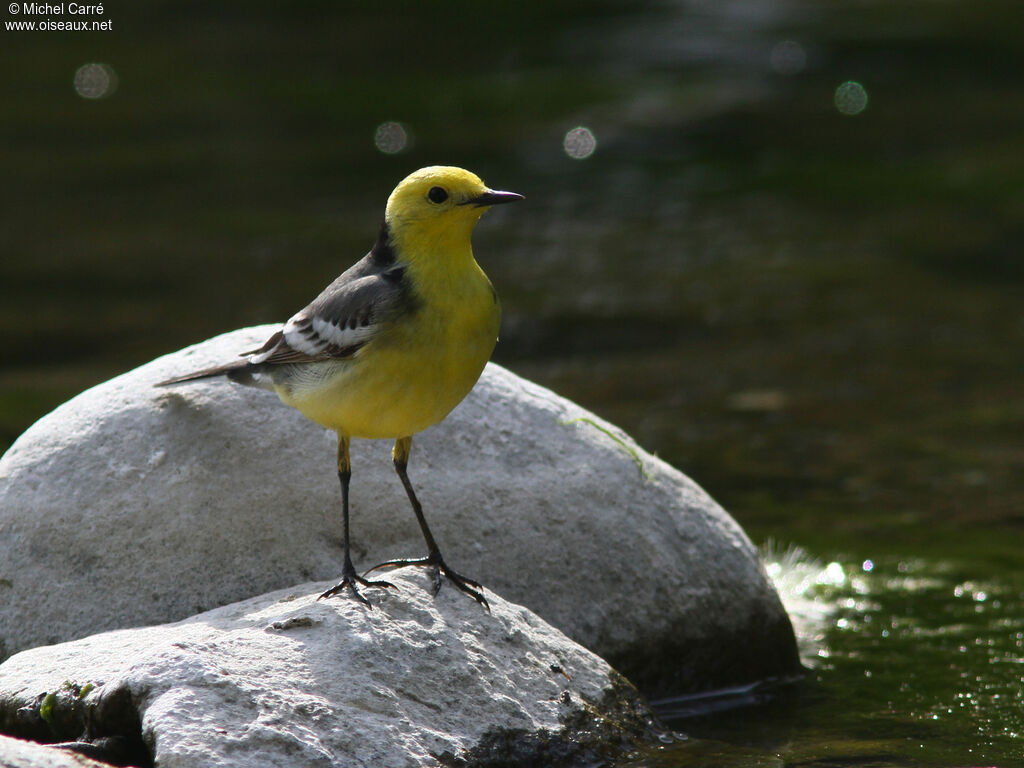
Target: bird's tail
241	371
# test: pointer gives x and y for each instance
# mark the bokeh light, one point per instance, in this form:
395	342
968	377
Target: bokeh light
851	98
391	138
95	81
579	143
788	58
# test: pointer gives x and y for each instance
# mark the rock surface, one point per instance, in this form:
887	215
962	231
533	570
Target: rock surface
132	505
287	680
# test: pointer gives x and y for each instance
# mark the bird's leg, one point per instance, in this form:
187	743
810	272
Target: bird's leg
349	577
400	455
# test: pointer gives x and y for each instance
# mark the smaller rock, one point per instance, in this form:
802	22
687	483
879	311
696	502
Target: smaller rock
289	680
15	753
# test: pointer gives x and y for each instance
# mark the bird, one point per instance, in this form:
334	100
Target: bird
391	346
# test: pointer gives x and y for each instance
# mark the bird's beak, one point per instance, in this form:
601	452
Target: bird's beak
491	197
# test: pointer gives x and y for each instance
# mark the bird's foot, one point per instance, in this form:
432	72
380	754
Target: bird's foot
349	580
437	563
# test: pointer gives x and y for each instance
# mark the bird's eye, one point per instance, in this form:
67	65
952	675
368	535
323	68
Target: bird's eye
437	195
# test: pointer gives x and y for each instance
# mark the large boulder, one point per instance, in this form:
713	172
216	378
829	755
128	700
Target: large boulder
132	504
289	680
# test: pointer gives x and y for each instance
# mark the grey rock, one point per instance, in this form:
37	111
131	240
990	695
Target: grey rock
132	505
288	680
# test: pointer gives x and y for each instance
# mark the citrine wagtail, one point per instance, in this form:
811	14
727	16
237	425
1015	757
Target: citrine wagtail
393	344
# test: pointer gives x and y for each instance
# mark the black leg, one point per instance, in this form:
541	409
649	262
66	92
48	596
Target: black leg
349	577
400	454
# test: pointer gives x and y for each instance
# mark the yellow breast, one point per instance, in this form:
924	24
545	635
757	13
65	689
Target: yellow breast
414	372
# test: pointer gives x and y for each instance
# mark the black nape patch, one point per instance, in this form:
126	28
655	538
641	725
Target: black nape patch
382	252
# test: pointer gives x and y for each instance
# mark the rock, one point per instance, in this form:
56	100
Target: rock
289	680
132	505
15	753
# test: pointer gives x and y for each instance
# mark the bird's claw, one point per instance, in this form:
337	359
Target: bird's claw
464	583
349	580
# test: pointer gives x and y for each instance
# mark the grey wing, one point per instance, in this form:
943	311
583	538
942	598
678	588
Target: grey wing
349	313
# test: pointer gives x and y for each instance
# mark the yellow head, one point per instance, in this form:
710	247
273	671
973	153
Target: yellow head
437	207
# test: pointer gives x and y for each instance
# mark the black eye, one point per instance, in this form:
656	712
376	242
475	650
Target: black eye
437	195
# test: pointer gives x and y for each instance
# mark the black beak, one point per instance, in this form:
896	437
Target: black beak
491	197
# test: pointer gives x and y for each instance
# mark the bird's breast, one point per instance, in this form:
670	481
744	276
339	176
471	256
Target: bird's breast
413	373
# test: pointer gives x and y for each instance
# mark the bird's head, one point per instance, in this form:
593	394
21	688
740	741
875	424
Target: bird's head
440	205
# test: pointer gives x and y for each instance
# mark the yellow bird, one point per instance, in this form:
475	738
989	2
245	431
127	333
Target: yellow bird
393	344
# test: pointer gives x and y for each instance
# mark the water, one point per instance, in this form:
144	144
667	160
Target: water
804	293
913	663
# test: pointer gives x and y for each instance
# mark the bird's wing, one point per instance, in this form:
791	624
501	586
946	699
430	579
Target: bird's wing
348	314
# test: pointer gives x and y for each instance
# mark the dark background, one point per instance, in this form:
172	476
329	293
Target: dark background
796	306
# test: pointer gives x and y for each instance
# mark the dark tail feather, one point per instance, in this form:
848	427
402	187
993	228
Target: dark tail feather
241	371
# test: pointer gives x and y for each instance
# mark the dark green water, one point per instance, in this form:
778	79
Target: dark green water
916	662
816	315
